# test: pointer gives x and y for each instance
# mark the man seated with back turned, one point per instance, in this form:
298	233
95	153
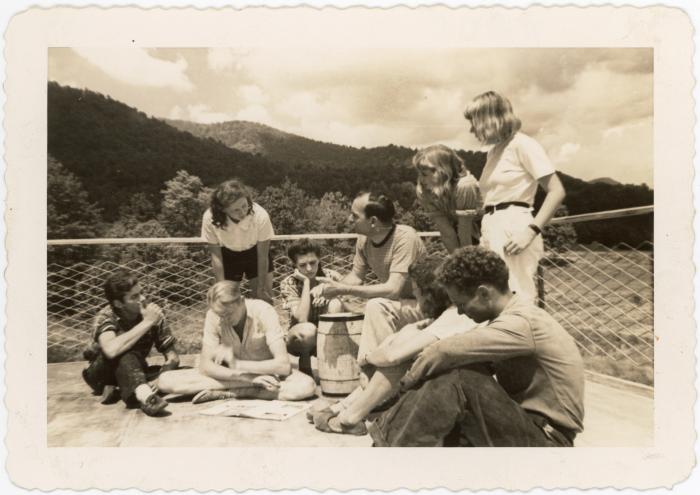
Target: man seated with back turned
124	333
388	250
537	399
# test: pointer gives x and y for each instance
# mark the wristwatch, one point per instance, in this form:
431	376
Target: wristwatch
535	228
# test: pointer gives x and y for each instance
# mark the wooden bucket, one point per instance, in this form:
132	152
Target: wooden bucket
337	343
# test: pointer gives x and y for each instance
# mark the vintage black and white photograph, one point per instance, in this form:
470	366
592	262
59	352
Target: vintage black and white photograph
438	247
277	240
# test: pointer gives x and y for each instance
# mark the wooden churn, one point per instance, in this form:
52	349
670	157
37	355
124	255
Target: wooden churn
337	343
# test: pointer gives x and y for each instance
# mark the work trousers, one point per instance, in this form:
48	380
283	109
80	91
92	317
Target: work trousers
465	407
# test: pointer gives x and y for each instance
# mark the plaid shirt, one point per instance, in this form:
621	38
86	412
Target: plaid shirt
107	320
290	290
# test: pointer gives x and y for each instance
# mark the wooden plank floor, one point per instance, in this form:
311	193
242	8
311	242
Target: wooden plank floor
615	416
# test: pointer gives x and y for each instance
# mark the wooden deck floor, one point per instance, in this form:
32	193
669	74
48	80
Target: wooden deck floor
616	415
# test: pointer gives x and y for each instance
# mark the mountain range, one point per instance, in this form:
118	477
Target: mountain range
117	151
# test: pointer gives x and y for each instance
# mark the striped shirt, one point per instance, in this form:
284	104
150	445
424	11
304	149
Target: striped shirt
290	290
107	320
395	255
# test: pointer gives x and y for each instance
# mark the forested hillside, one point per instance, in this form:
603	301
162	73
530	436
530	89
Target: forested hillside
123	160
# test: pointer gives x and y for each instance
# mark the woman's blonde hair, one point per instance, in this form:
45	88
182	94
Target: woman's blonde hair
492	117
220	288
450	168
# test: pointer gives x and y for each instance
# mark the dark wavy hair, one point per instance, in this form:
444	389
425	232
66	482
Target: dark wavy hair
118	284
379	205
301	247
422	272
224	196
471	266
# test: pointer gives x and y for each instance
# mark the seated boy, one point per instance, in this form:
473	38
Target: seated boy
388	363
305	309
243	354
125	331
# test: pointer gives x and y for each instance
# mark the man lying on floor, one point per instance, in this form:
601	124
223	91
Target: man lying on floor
124	333
387	364
244	354
537	399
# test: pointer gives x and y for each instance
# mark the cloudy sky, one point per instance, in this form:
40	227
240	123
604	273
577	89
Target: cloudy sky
592	109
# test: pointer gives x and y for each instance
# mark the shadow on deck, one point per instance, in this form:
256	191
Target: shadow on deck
617	415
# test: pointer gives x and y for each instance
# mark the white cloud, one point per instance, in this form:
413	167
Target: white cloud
220	59
256	113
204	115
136	66
252	94
177	113
225	59
566	152
199	113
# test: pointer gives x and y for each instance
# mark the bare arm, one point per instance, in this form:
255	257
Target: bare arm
113	345
263	249
351	279
209	367
402	348
279	364
447	232
301	311
217	262
390	289
555	195
465	225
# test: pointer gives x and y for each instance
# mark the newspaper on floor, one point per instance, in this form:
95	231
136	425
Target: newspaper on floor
276	410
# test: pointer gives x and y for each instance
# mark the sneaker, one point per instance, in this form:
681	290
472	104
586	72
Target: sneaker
154	405
209	395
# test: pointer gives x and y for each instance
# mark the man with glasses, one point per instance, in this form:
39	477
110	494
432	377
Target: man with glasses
244	354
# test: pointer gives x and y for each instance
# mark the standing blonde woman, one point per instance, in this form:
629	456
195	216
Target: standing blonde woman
515	166
445	187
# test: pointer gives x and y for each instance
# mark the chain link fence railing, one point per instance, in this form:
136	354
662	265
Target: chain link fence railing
602	296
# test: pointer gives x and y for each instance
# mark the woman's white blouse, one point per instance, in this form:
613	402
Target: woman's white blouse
240	236
512	170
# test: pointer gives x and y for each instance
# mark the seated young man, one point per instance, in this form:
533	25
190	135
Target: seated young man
387	363
243	354
124	333
305	309
537	399
387	249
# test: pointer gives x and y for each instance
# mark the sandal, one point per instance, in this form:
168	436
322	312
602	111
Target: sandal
324	422
311	412
209	395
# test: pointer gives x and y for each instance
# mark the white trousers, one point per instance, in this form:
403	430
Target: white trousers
384	317
496	229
